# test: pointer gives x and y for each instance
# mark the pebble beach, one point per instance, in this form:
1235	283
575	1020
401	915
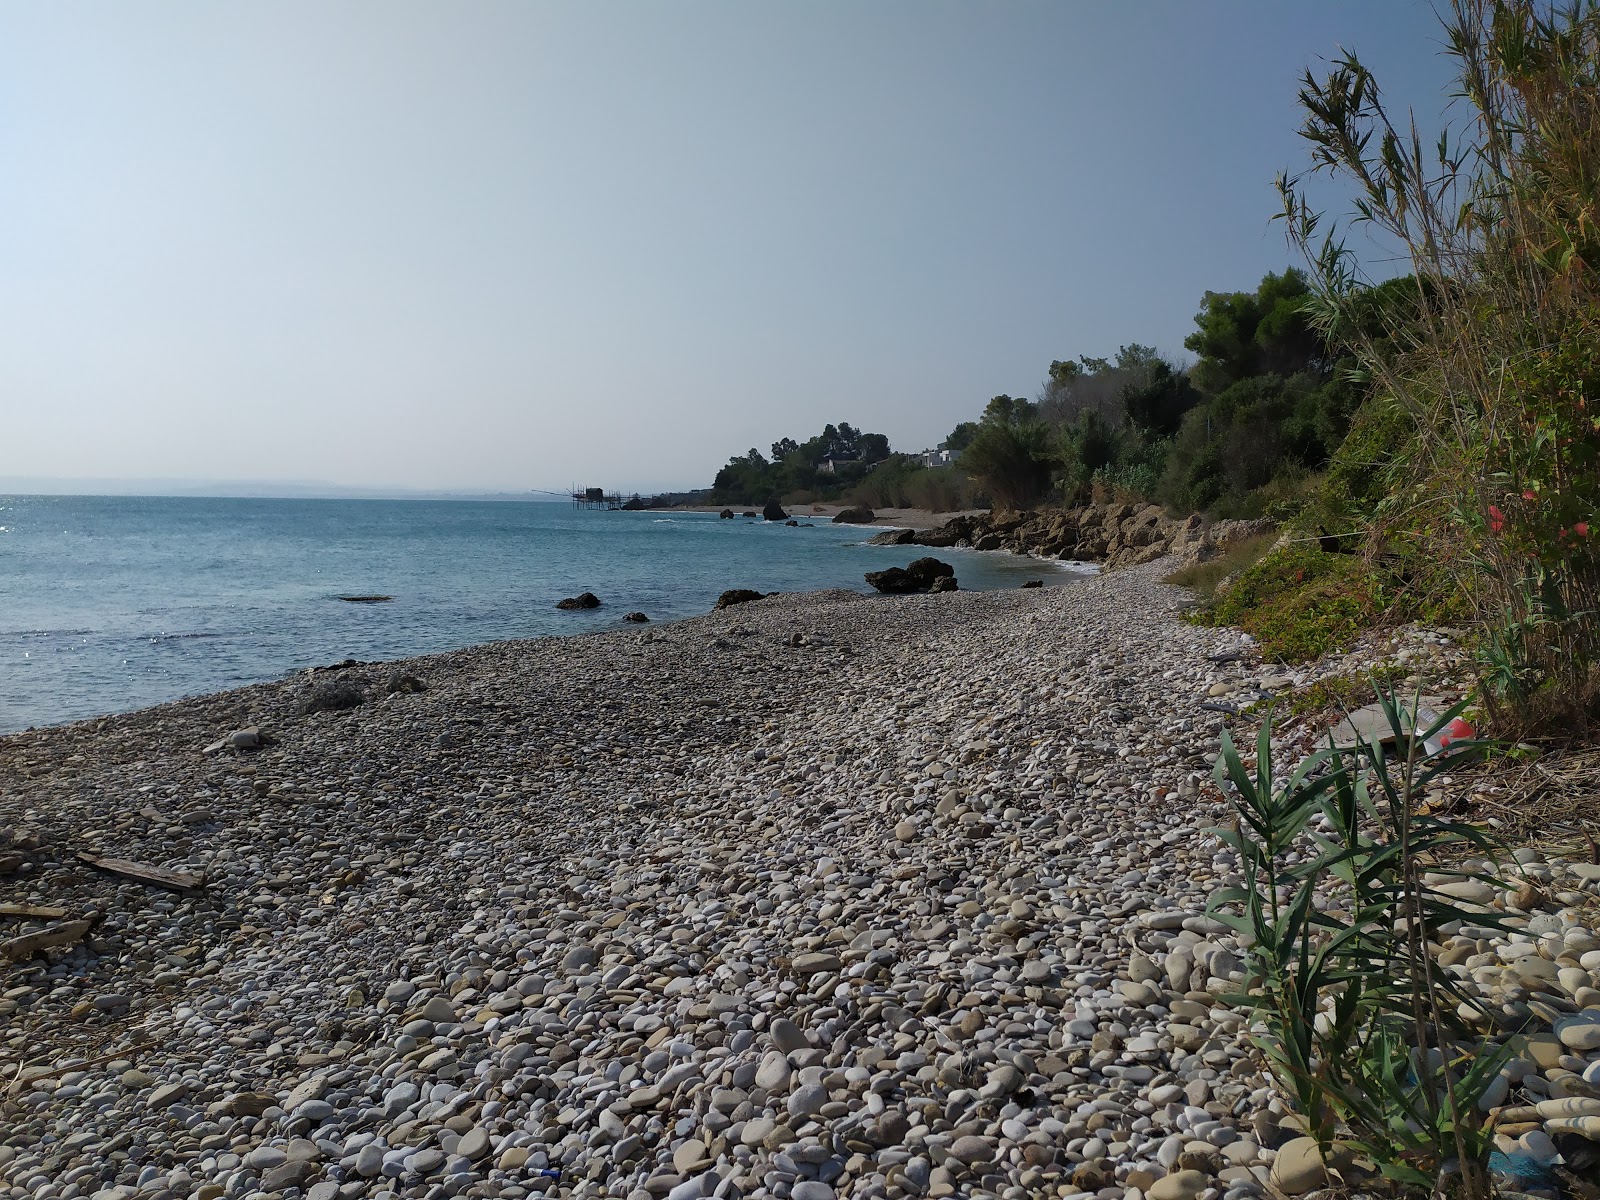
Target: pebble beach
824	895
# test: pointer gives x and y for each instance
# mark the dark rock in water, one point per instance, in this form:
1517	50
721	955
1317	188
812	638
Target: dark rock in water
332	697
638	618
940	539
399	681
929	569
366	599
725	515
893	537
792	523
923	575
584	600
773	511
748	513
989	541
343	665
853	516
895	581
738	596
1032	583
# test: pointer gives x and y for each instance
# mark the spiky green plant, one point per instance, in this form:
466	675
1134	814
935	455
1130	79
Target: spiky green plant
1362	1030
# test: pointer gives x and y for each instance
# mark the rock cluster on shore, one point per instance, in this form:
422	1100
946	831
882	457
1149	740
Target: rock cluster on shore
1117	535
821	896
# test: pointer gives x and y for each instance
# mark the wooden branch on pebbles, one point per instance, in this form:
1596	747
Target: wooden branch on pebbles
43	912
181	881
67	933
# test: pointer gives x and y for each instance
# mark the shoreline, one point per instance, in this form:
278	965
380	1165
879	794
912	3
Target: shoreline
887	518
865	895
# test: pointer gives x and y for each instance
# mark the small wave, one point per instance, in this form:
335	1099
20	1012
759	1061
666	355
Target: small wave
665	521
45	633
181	637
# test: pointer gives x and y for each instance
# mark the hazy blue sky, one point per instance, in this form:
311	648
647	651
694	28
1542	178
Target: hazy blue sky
522	244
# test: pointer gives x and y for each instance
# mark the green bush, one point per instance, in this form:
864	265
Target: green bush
1299	602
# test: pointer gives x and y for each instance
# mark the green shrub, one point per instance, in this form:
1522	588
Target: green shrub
1299	602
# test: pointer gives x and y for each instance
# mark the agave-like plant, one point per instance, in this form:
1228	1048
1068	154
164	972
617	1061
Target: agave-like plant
1373	1042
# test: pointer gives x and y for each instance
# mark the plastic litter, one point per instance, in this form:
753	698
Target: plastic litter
1457	730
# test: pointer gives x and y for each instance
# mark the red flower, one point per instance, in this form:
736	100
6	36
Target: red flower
1581	529
1529	496
1497	519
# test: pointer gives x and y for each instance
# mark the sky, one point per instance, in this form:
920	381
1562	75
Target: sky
523	244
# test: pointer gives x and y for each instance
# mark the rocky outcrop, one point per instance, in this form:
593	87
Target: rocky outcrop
738	596
853	516
638	618
1116	535
725	515
923	575
893	537
582	600
773	511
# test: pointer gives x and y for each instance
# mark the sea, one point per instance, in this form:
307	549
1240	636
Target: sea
113	603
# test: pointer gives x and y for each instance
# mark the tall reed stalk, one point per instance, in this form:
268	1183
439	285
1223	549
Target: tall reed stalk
1492	348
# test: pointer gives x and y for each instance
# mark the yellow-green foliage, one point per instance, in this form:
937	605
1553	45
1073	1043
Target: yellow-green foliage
1299	603
1204	577
1336	693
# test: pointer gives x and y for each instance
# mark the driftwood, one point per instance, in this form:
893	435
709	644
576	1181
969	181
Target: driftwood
66	934
182	881
43	911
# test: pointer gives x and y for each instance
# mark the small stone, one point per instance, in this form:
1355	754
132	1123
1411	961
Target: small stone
369	1160
293	1173
513	1157
474	1144
787	1036
1003	1080
399	991
970	1148
690	1156
579	958
773	1073
807	1100
1580	1033
167	1095
1299	1166
439	1010
814	963
1179	1185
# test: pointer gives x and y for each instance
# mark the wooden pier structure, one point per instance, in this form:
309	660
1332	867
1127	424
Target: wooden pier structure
593	497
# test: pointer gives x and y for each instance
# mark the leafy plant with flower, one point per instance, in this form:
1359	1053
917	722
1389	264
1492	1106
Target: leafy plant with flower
1494	353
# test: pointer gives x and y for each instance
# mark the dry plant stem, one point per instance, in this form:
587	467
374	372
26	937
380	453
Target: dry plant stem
1427	1012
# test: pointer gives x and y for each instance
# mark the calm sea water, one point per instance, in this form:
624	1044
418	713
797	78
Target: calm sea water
113	603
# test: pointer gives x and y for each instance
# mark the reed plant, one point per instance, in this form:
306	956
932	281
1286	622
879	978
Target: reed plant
1374	1044
1491	349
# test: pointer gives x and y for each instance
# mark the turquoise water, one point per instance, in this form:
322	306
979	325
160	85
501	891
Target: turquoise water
111	603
